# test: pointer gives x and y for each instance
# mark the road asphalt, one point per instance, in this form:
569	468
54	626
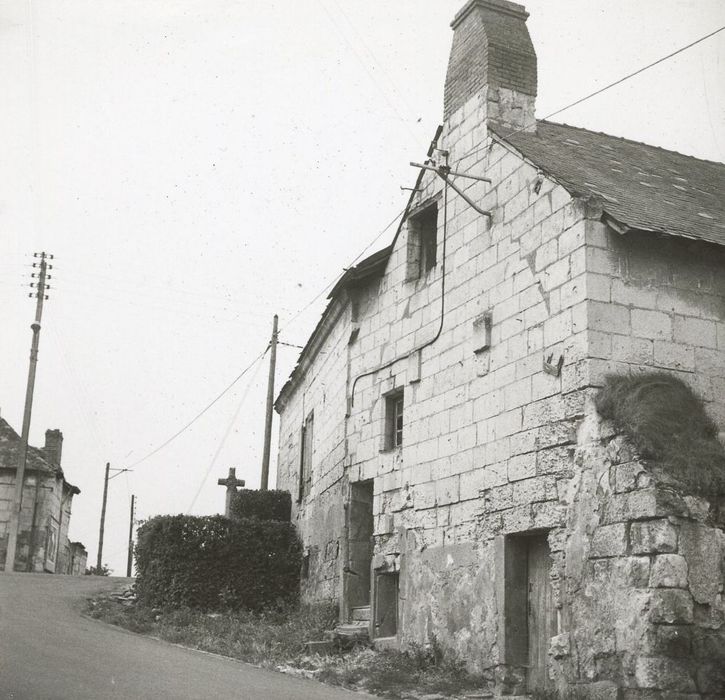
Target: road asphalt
49	651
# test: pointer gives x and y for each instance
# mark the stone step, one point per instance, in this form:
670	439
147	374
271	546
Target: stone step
352	631
360	614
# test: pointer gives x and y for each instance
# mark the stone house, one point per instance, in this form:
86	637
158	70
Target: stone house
451	478
43	543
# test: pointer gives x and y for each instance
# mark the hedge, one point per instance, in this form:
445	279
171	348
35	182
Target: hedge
214	563
263	505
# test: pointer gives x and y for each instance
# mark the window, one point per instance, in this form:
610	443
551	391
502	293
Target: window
394	404
422	242
306	438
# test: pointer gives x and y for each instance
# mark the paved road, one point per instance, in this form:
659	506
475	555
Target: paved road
48	651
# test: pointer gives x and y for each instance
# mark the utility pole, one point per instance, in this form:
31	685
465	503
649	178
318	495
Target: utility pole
270	406
129	563
103	520
40	295
106	479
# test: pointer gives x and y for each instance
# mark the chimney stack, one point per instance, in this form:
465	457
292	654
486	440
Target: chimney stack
53	446
492	62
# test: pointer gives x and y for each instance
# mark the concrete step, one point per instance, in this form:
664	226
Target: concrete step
360	614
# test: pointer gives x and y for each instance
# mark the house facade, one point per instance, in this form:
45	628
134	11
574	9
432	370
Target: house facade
43	544
451	478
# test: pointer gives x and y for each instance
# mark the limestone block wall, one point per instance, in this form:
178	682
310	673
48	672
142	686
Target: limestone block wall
639	575
319	516
656	302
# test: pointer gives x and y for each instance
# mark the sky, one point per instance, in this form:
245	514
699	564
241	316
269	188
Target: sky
198	165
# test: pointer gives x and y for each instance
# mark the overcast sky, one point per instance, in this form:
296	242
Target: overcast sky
198	165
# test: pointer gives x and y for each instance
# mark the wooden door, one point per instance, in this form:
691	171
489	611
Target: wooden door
360	544
541	621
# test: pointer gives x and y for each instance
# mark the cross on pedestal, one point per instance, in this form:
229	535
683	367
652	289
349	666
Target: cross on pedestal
231	482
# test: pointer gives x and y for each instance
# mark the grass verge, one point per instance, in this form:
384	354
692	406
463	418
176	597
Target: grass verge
276	639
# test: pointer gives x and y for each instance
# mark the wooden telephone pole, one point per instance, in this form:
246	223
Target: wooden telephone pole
106	479
270	406
129	563
40	295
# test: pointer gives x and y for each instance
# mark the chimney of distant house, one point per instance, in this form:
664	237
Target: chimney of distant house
494	63
53	446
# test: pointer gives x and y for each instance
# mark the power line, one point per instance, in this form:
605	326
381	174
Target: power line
224	438
352	262
202	412
606	87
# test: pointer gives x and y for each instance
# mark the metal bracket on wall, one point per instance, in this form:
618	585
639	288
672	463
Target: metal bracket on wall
445	173
553	369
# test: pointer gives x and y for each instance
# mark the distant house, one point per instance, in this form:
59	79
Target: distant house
43	543
451	478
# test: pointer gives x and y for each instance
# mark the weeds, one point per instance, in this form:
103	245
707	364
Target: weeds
393	674
276	638
667	423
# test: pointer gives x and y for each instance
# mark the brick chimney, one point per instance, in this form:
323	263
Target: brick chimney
493	64
53	446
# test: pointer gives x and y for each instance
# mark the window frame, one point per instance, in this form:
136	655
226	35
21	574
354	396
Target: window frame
307	436
394	420
422	254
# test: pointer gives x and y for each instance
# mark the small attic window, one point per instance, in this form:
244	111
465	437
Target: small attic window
422	242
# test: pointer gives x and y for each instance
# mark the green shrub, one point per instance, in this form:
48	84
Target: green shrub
214	563
667	423
262	505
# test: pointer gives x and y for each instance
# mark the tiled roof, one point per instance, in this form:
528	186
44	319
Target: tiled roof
10	446
641	187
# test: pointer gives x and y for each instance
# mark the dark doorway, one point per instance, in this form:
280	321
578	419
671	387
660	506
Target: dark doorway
360	545
386	605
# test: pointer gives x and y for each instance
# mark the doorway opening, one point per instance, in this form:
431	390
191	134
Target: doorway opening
386	604
360	550
530	614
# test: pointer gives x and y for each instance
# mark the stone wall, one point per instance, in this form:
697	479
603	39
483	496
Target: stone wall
541	300
639	574
656	302
46	488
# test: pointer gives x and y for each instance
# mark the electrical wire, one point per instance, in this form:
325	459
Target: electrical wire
331	284
224	438
603	89
201	413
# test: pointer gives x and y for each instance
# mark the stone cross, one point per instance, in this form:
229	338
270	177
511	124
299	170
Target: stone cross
231	482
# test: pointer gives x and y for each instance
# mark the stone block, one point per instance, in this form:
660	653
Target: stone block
700	546
652	536
651	324
609	541
663	674
671	606
668	571
673	641
522	466
674	356
612	318
634	571
558	461
536	489
711	679
695	332
627	477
